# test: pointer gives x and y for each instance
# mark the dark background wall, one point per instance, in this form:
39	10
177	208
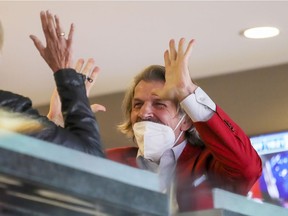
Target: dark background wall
256	99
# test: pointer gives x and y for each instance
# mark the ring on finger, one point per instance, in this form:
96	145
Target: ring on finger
89	79
62	34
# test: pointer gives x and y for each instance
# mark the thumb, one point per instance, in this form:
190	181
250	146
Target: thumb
97	107
37	43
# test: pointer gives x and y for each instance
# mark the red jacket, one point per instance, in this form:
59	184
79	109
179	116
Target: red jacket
228	161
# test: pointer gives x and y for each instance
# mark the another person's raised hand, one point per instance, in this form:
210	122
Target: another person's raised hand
91	72
90	79
58	50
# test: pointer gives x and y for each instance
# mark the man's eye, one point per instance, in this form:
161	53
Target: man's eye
160	105
137	105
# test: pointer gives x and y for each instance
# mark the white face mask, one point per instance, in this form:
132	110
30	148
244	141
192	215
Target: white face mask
153	139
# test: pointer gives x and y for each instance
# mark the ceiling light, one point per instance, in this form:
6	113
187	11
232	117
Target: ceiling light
261	32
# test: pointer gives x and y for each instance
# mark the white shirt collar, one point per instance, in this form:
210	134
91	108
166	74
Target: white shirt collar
178	149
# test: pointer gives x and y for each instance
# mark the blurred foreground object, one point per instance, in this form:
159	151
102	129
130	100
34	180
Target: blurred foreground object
42	179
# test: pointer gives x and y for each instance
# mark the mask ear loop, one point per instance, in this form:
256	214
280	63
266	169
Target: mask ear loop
177	127
180	121
178	137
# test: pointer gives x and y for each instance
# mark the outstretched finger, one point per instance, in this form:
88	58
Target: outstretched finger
70	35
87	68
69	43
44	23
180	46
167	59
59	30
173	53
189	49
79	65
51	25
95	73
92	78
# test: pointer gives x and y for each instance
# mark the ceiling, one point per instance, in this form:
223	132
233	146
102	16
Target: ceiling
125	37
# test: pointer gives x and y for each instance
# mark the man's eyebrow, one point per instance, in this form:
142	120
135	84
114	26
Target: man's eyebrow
136	100
158	99
161	100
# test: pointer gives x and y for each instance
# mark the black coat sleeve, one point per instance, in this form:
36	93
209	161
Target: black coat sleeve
81	130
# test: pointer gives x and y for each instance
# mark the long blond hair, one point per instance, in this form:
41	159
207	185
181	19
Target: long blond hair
18	122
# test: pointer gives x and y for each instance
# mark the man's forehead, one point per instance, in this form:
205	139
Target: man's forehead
145	86
146	90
